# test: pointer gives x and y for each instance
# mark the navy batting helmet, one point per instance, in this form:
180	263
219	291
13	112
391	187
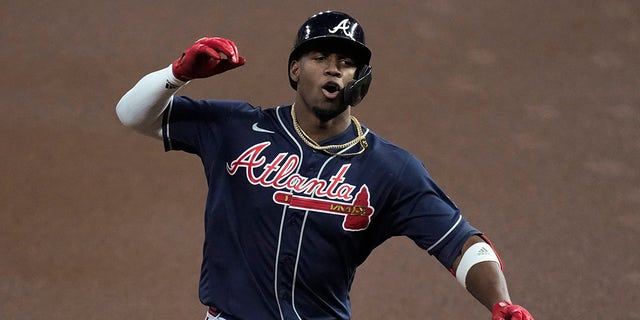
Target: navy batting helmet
338	28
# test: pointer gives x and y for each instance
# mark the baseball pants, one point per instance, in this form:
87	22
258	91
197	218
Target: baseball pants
213	314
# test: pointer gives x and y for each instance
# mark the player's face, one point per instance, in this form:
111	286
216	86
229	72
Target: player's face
322	77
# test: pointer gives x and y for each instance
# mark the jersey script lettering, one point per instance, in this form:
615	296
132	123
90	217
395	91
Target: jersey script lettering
280	173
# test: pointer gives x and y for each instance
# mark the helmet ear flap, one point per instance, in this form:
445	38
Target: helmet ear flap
357	88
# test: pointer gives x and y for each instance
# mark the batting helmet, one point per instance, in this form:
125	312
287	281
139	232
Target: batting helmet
336	28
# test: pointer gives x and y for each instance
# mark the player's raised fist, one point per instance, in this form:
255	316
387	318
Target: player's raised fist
207	57
504	310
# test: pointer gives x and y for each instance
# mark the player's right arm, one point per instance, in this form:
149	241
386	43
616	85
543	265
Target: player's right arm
141	108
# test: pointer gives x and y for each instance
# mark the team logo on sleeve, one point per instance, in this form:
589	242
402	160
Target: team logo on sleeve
330	196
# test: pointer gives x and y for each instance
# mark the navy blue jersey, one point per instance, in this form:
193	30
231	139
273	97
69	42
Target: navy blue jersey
286	226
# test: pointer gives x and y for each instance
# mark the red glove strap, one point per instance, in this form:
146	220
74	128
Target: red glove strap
504	310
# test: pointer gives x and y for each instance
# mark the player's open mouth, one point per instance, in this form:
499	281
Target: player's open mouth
331	90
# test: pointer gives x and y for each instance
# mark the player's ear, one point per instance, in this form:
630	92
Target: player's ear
294	70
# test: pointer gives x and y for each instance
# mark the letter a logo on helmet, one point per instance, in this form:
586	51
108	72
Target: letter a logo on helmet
345	27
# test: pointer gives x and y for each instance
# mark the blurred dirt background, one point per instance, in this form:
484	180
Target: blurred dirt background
526	112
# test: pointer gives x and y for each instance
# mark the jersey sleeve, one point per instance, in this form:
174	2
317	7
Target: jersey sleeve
427	215
187	123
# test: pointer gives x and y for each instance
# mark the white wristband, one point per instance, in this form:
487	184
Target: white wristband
478	252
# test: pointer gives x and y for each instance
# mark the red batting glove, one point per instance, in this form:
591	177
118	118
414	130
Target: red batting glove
205	59
504	310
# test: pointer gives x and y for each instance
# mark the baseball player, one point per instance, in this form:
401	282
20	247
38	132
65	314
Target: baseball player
300	194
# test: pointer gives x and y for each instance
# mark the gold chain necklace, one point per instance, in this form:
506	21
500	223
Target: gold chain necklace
326	149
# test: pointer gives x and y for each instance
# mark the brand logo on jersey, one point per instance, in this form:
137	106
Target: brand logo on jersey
256	128
332	196
346	27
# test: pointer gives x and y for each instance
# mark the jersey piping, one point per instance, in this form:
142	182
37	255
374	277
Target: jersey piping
304	221
446	234
282	219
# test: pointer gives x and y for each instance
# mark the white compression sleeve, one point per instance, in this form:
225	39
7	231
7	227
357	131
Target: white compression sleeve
142	106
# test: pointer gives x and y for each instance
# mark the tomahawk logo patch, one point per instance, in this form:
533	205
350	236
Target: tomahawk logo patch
357	214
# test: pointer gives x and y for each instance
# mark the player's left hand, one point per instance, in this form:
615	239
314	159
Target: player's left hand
504	310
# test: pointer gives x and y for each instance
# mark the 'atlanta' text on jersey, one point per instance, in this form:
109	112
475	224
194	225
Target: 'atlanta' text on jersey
280	174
